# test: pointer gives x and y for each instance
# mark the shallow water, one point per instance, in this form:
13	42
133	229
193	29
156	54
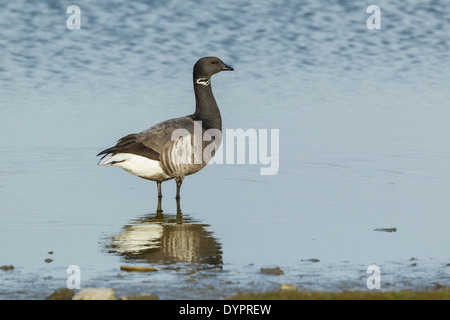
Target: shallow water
363	120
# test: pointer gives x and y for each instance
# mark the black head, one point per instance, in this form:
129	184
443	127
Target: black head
207	66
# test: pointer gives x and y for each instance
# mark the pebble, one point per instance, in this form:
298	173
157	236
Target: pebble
273	271
95	294
288	287
386	229
11	267
138	269
312	260
61	294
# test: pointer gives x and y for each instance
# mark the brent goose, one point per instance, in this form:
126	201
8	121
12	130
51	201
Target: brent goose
154	154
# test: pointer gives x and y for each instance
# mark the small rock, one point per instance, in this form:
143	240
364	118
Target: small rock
386	229
95	294
61	294
5	268
273	271
137	269
312	260
50	252
48	260
288	287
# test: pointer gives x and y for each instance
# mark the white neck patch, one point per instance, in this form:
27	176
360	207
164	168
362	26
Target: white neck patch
203	81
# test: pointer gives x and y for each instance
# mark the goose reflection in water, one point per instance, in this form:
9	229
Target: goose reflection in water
167	238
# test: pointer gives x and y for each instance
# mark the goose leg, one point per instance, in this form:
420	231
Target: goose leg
178	208
159	208
179	181
158	185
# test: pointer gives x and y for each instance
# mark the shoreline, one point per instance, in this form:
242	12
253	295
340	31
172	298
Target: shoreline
108	294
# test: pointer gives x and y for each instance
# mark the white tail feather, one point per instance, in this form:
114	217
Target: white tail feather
140	166
110	159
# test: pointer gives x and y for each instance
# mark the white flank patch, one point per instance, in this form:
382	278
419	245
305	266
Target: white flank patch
139	166
181	153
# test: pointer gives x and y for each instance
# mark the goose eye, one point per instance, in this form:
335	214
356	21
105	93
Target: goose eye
213	62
